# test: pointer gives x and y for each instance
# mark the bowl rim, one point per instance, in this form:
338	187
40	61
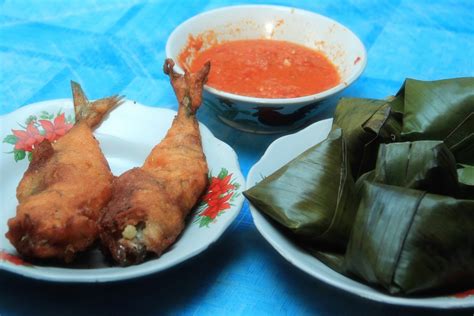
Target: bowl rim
362	63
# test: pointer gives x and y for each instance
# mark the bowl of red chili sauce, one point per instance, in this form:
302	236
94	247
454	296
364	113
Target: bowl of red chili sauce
273	68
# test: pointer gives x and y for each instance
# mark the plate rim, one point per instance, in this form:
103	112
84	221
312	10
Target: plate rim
370	293
119	273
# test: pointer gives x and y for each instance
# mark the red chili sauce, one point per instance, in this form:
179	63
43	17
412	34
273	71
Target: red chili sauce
266	68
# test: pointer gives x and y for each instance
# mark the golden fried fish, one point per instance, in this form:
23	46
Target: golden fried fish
64	189
149	204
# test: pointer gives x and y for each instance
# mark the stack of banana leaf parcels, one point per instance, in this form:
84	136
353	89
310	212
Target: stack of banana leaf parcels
388	197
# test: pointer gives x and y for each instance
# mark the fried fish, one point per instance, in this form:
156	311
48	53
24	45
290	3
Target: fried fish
149	204
64	189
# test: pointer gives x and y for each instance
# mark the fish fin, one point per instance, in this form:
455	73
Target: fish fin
92	112
187	87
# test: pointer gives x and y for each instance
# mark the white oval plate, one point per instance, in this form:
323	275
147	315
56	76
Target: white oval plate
279	153
126	138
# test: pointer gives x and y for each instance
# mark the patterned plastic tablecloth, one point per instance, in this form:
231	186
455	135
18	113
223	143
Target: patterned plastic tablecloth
118	47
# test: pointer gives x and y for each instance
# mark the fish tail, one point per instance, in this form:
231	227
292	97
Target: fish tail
92	113
187	87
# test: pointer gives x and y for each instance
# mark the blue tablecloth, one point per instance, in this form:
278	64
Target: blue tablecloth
118	47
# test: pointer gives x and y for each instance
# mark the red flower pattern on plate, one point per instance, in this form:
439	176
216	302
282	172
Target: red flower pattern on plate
5	256
219	197
38	128
218	187
464	294
221	185
54	131
217	204
28	138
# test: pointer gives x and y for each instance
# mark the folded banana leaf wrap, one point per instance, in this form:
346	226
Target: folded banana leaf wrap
432	109
461	141
388	197
312	195
439	110
409	241
424	165
366	124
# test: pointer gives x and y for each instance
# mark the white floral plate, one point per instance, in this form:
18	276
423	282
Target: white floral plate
279	153
126	137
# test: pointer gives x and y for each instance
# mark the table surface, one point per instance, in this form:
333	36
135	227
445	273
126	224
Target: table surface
118	47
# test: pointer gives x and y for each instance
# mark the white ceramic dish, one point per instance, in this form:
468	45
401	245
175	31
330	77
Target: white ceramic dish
126	137
279	153
307	28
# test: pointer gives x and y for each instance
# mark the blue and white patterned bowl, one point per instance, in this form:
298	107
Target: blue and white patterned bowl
263	115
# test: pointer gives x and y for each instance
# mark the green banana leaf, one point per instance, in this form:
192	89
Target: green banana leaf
366	124
461	141
464	150
359	185
410	241
407	223
422	165
312	195
466	175
333	259
466	181
433	109
460	132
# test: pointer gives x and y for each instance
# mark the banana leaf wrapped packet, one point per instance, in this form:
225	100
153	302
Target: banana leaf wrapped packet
412	161
439	110
423	165
406	239
312	195
409	241
366	123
